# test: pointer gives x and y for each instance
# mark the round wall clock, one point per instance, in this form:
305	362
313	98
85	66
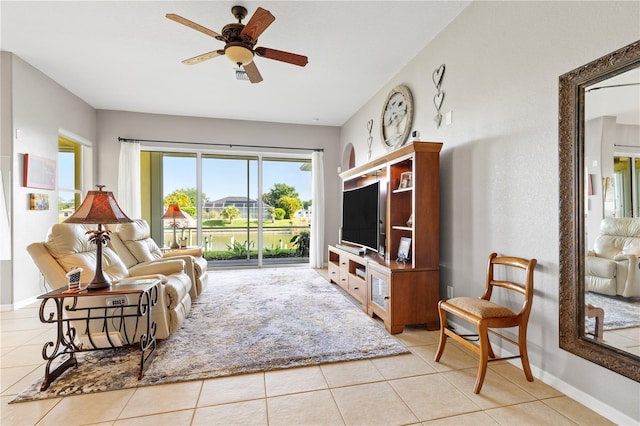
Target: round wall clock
397	114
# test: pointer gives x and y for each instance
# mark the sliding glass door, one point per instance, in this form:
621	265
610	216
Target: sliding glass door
230	209
244	210
286	189
179	185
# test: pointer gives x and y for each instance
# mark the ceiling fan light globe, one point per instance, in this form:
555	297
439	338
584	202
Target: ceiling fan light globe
239	54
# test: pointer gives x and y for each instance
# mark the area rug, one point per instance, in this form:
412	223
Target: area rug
245	321
619	312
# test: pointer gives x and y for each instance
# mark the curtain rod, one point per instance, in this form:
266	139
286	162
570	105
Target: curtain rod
613	85
221	144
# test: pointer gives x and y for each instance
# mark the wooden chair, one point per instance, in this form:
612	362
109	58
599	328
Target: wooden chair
592	311
486	315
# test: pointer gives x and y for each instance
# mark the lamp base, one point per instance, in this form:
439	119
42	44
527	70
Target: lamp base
99	280
98	285
175	245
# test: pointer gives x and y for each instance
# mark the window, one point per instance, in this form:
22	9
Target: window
243	209
626	186
69	177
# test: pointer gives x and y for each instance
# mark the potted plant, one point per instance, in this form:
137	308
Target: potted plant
301	242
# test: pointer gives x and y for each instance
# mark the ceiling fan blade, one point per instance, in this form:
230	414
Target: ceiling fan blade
279	55
252	72
259	22
203	57
184	21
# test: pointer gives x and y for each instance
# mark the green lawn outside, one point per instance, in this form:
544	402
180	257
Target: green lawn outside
224	223
235	246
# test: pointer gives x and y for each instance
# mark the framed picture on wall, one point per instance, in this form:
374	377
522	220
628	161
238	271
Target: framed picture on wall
38	202
39	172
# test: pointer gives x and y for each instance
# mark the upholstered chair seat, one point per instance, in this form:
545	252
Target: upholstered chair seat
486	316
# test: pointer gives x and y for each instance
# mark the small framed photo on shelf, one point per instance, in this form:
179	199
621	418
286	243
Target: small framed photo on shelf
406	180
403	249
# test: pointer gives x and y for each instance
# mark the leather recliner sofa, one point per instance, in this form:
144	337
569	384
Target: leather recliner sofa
67	247
132	242
612	266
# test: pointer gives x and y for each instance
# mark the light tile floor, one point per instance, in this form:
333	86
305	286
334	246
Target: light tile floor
408	389
626	339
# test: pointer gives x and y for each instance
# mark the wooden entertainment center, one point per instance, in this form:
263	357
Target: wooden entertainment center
399	293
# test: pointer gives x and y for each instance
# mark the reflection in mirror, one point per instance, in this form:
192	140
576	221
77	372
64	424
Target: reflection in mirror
612	222
599	211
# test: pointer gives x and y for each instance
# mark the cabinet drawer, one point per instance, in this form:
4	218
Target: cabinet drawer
334	273
358	288
344	264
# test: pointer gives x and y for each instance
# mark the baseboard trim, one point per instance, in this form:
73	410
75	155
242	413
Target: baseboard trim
583	398
6	308
24	303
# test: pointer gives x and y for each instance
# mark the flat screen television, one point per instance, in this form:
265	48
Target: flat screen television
361	216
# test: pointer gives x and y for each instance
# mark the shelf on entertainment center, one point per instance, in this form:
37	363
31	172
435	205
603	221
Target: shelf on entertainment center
402	228
397	191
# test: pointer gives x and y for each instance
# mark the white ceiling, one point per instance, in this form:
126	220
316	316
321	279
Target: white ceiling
125	55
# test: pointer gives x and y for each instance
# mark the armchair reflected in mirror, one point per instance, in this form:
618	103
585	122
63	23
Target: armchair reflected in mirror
600	211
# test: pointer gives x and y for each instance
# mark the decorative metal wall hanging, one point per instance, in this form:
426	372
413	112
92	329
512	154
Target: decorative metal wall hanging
439	96
370	138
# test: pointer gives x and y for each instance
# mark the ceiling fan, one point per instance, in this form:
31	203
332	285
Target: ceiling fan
240	40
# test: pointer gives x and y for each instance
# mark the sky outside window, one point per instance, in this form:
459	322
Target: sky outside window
180	172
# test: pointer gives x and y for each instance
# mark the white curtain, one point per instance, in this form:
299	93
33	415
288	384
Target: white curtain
5	231
317	249
129	179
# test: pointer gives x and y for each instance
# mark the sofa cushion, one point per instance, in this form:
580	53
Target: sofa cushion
64	239
601	285
600	267
122	251
112	266
69	245
136	236
177	289
620	235
144	250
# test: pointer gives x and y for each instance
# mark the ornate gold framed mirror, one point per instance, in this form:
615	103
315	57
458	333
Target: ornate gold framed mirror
575	199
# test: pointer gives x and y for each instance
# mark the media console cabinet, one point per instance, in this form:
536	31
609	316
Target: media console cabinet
398	292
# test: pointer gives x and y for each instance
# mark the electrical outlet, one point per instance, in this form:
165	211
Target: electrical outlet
116	301
449	292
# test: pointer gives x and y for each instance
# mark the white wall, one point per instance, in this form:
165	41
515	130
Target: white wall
6	152
114	124
499	164
41	110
